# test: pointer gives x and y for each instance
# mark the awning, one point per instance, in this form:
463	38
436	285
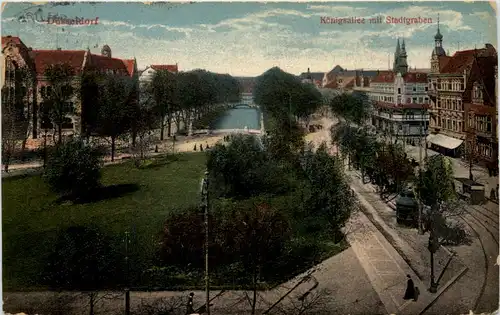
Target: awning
444	141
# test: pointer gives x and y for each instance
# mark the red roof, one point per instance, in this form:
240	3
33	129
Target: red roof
103	62
415	77
6	39
463	59
384	77
171	68
44	58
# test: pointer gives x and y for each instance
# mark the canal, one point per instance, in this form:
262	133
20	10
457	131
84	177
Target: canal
240	117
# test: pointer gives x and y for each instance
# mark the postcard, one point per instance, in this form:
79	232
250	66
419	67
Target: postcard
249	158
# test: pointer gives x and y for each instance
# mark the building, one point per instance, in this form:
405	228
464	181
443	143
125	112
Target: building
399	97
17	55
315	78
146	74
463	102
345	80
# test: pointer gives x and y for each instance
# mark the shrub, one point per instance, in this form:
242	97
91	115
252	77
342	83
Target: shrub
73	170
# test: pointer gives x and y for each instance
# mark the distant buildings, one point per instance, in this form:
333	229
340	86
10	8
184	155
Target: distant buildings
16	54
462	90
399	97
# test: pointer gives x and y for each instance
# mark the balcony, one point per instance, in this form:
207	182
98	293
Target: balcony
400	117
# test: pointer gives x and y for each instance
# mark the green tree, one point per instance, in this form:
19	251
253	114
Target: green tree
16	112
243	169
163	88
82	259
59	93
436	189
73	170
330	196
353	108
117	108
257	234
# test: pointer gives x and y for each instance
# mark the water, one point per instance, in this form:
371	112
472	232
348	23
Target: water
238	118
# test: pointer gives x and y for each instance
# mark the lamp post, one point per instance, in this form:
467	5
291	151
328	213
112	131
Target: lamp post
204	206
433	247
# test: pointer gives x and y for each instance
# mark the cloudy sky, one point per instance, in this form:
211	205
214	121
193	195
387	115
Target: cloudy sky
249	38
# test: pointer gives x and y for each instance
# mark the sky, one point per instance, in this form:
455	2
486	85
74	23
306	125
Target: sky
247	38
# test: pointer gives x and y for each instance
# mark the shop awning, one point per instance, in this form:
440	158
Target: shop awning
444	141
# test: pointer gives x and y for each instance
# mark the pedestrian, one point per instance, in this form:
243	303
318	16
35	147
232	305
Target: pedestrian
189	308
194	147
410	289
156	148
201	147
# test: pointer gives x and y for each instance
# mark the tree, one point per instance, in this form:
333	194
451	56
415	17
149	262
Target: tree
354	108
436	189
163	88
116	109
242	169
58	95
329	195
257	233
73	170
15	113
82	259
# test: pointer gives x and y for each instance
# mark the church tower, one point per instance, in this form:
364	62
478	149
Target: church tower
438	50
403	64
396	58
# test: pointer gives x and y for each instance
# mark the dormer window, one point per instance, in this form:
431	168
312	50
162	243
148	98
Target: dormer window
477	93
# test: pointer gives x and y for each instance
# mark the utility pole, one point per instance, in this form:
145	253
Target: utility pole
420	206
205	206
127	288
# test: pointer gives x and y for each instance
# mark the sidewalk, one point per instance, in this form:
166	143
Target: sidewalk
165	146
413	248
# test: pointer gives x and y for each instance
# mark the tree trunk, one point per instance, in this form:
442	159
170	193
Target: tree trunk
113	144
169	128
91	304
254	283
59	134
162	126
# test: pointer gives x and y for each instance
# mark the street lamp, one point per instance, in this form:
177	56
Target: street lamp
205	209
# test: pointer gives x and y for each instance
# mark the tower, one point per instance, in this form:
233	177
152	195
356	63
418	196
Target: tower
106	51
438	50
396	58
438	42
403	64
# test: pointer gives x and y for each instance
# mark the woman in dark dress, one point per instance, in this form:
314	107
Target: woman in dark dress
410	289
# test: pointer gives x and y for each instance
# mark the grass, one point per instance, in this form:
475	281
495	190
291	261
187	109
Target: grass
32	216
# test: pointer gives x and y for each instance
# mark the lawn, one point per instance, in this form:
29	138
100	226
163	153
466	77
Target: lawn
32	216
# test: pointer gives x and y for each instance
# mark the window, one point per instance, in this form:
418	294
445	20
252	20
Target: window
399	90
439	122
454	125
414	89
414	100
488	124
460	127
426	88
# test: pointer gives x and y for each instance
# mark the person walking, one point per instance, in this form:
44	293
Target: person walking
410	290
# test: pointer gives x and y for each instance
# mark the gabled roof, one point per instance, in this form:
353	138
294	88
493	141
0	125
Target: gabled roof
486	75
103	62
44	58
171	68
464	59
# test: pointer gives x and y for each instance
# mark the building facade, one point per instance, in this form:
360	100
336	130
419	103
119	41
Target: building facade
400	101
463	102
18	55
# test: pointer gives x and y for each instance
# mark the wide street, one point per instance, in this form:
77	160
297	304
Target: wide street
477	287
